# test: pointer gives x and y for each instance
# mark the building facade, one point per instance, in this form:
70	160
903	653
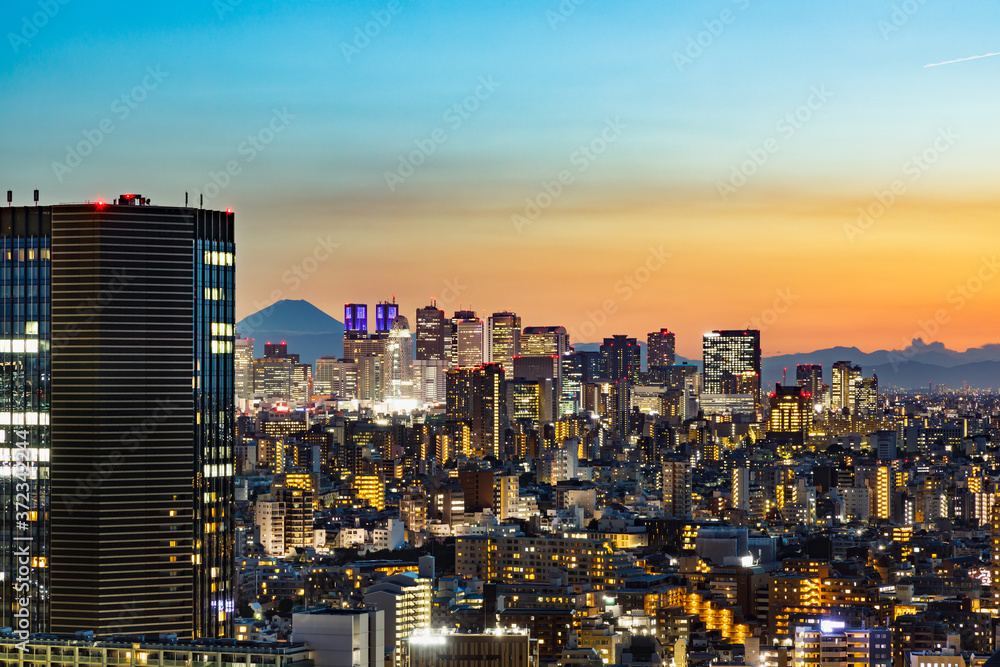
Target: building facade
119	382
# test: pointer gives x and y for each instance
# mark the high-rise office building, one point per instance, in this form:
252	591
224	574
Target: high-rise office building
542	369
621	356
451	335
810	378
571	395
503	339
385	314
369	355
590	365
844	378
398	380
546	342
866	396
459	394
731	362
430	333
660	349
489	414
355	320
273	377
477	397
336	377
469	342
115	368
791	412
243	363
429	380
529	399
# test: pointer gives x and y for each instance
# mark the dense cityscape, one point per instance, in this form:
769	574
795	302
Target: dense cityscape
470	490
511	333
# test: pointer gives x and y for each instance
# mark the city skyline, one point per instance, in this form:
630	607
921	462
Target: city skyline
403	333
785	163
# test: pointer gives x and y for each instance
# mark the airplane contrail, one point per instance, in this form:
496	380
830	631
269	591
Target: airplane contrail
948	62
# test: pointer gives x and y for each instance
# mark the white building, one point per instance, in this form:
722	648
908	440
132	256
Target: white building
342	637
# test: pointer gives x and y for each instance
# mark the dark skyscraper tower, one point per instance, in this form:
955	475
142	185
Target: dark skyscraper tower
660	349
810	378
430	333
121	390
385	313
620	356
355	320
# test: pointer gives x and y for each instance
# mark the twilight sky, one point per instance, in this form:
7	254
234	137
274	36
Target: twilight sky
614	167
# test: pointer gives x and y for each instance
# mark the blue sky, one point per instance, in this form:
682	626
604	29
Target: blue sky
559	78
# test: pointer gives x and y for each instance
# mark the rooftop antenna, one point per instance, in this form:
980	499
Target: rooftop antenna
10	197
36	197
185	199
201	201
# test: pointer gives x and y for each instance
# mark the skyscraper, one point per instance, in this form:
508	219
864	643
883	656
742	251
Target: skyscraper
385	314
430	332
355	320
243	362
476	396
866	396
119	310
844	378
469	340
791	412
503	339
621	356
731	362
451	336
810	378
399	360
551	342
660	349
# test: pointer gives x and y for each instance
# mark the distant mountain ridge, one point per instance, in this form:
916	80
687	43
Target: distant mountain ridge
311	333
915	367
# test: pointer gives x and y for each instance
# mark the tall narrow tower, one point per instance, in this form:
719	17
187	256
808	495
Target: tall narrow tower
119	382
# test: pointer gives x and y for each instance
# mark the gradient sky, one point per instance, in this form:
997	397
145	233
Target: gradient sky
776	249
